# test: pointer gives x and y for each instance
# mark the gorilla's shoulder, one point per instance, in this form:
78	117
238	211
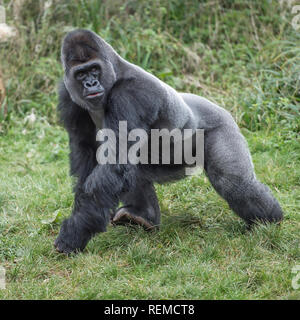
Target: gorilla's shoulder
122	84
130	97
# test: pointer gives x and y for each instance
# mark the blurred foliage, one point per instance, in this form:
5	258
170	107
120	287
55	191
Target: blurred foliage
242	54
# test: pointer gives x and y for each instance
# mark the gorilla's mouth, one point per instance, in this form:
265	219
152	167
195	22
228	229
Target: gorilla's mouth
95	95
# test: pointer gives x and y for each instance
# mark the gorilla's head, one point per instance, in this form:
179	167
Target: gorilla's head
88	65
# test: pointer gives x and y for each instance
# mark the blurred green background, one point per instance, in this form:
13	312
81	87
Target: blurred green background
244	56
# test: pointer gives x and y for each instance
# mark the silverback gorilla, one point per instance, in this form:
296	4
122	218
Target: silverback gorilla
99	90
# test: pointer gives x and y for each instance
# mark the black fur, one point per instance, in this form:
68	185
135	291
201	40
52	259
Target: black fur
142	100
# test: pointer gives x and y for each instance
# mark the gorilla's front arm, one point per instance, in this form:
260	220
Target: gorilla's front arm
99	187
101	89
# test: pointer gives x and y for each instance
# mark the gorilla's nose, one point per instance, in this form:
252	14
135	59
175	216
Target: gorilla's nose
91	84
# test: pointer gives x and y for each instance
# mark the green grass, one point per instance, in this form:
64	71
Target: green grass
202	251
245	56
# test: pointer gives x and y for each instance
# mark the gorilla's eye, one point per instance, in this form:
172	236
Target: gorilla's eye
80	75
95	70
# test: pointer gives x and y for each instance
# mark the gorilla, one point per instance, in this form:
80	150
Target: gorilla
100	89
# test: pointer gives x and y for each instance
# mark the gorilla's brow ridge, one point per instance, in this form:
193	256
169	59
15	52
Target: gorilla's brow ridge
82	54
84	44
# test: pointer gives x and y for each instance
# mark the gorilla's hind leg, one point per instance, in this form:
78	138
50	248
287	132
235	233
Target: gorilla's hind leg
140	208
229	168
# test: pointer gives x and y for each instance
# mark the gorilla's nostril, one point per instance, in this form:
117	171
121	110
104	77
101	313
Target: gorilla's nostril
95	83
87	84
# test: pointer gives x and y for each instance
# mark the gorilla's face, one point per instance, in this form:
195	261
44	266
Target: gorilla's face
89	75
86	84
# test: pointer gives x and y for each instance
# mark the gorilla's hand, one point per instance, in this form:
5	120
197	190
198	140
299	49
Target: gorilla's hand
69	239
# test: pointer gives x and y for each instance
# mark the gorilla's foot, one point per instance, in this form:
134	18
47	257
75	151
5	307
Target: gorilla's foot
256	205
123	216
